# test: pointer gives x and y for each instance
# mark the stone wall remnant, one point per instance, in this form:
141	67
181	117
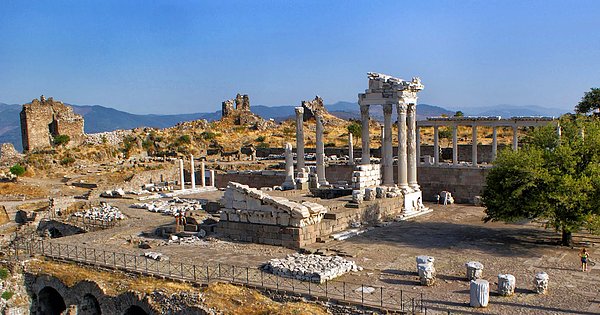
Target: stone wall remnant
241	114
313	268
44	119
313	108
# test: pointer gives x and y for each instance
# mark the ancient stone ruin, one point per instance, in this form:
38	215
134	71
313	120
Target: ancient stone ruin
313	108
241	113
44	119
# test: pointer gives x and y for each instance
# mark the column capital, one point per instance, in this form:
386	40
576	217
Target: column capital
299	110
411	108
401	107
364	109
387	109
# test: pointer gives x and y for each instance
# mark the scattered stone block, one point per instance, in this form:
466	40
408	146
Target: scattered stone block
506	284
474	270
541	283
479	293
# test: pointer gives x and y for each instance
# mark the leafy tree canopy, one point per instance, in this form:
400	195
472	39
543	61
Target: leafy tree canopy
459	114
589	102
355	129
551	179
17	170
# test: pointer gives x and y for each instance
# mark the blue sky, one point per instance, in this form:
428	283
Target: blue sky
188	56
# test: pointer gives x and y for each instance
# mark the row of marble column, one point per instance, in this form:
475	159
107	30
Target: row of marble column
407	144
436	143
193	174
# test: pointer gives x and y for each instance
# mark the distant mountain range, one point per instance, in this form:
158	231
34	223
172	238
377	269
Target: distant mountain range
99	118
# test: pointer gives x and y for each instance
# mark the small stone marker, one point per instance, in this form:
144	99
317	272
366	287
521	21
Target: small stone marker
426	274
506	284
474	270
479	293
424	259
541	283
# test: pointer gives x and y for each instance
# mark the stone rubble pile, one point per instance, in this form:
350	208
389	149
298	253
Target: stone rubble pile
104	212
7	176
188	240
314	268
244	204
170	207
157	188
117	193
372	193
155	256
112	137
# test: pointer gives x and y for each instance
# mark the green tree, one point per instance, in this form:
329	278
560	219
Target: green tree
459	113
556	181
355	129
17	170
61	139
589	102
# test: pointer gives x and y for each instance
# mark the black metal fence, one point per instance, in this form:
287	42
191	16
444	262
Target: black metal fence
353	293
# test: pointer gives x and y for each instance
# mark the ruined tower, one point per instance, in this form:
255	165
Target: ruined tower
44	119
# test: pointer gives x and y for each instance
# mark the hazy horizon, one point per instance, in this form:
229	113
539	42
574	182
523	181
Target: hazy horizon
169	57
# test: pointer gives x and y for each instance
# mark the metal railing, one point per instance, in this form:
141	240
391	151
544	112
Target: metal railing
352	293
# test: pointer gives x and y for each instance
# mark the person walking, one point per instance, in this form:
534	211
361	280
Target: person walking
584	255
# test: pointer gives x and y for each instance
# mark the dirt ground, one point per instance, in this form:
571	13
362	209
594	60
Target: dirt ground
452	234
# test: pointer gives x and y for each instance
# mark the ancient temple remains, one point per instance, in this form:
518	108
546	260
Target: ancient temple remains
239	110
390	92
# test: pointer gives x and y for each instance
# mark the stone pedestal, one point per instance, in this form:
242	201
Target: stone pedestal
413	201
426	274
541	283
479	293
506	284
474	270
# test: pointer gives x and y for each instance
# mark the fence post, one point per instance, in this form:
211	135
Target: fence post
401	301
134	262
114	260
124	261
326	291
181	269
381	296
233	272
67	250
50	249
42	244
95	261
85	253
421	301
146	263
262	283
413	305
344	290
219	265
309	281
362	294
247	278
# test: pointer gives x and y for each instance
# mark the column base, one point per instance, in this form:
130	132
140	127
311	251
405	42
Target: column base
413	202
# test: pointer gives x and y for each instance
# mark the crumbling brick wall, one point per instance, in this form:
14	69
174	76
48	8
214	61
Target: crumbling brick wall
44	119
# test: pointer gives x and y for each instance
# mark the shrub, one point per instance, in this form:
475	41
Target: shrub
260	139
3	273
185	139
329	144
207	135
262	145
67	161
61	139
355	129
17	169
7	295
445	134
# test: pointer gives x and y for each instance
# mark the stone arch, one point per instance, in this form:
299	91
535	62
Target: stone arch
135	310
50	302
89	305
91	299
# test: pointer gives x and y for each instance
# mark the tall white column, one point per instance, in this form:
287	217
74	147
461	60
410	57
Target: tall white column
412	147
350	149
418	135
366	147
474	150
402	165
515	142
455	145
436	145
299	138
320	152
212	178
382	148
203	172
388	175
181	178
494	142
192	171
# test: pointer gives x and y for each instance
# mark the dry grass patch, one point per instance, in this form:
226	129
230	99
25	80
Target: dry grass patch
21	189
